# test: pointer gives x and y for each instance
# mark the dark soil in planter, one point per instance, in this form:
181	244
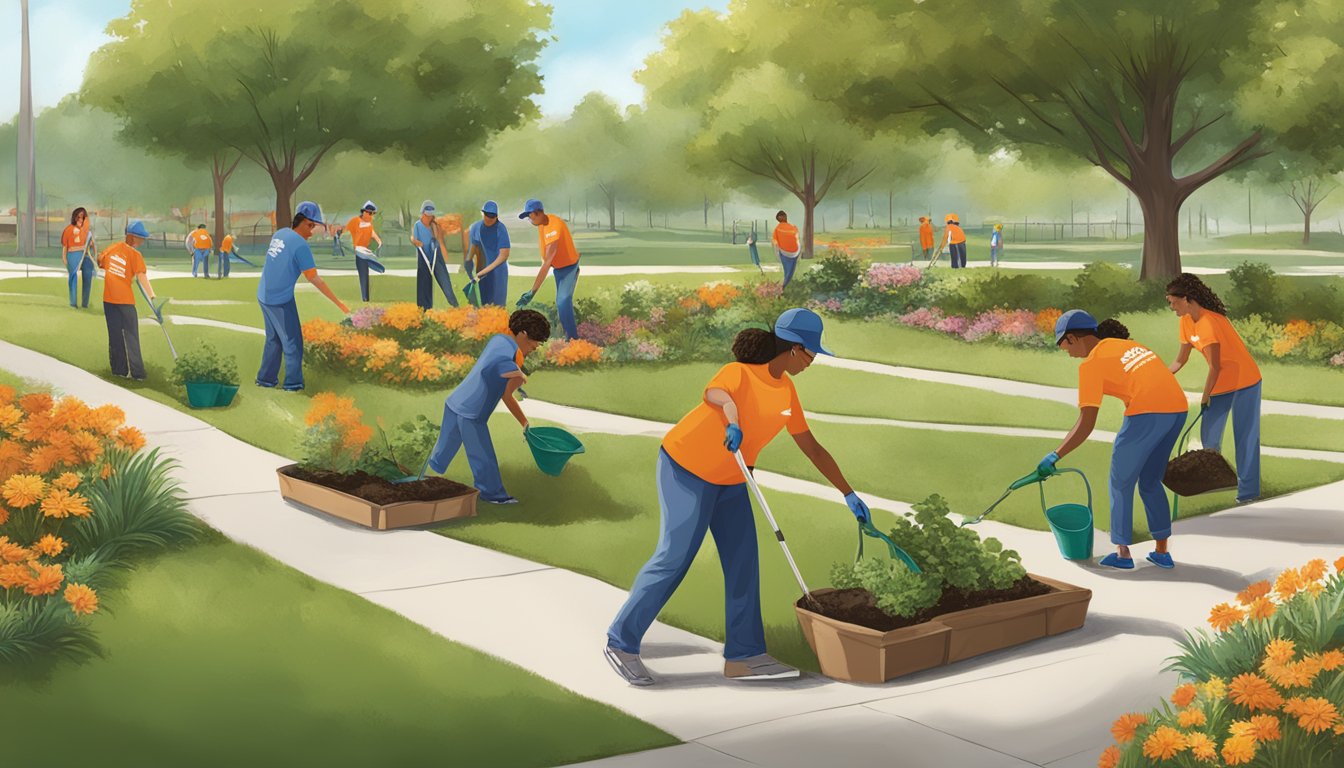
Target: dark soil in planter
1195	472
379	491
858	606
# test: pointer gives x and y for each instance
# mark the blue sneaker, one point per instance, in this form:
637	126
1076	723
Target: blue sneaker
1114	560
1161	559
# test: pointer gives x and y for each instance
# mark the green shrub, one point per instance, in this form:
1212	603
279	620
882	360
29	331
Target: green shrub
1257	290
1006	291
1318	301
836	272
204	364
1106	290
140	508
402	452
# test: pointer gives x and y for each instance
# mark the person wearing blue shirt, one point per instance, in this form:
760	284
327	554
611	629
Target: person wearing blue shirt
288	257
995	245
491	239
430	251
466	412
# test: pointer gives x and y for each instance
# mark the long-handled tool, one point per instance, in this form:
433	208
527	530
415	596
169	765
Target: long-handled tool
158	316
760	499
234	255
755	255
1070	523
447	289
371	258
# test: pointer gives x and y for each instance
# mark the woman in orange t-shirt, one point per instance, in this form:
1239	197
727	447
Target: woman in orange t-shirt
785	239
74	246
1233	384
701	488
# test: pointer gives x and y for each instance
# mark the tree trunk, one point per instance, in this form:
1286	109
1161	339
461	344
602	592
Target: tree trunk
809	200
284	197
1306	228
611	210
1161	234
220	171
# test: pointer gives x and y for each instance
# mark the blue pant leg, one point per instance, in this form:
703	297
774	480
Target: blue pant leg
1246	435
72	274
444	280
734	532
495	286
268	375
481	456
86	269
291	338
566	281
446	447
1127	459
1155	502
1214	422
362	267
424	283
687	505
788	265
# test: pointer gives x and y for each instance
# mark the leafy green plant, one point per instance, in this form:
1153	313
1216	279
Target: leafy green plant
1257	290
998	290
205	364
401	452
836	272
1106	290
139	506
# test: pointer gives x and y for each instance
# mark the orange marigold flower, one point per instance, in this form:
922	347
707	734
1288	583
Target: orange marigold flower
23	491
1331	660
1315	588
88	448
9	416
43	460
1262	608
1254	692
15	575
1315	714
81	598
13	552
1280	650
1339	565
7	394
421	365
68	481
1201	746
1299	675
1238	750
1314	570
50	545
1253	592
105	472
70	413
1224	616
381	354
46	580
105	419
403	316
1264	728
61	504
36	402
130	439
1124	728
1110	757
1287	584
1183	695
4	515
1192	718
1164	743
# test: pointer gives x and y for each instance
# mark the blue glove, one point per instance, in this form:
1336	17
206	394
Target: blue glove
857	506
525	299
732	438
1047	466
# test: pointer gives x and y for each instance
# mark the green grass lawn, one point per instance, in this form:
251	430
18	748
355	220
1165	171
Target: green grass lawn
219	656
1320	241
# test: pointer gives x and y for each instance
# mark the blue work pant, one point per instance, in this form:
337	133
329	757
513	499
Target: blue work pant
362	267
789	263
425	279
223	264
1244	406
200	258
690	506
994	255
284	339
494	286
957	252
566	280
1142	448
75	267
458	431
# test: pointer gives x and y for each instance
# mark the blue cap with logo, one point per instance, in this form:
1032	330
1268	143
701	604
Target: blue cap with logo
802	326
1073	320
309	210
137	228
427	207
532	206
490	207
369	206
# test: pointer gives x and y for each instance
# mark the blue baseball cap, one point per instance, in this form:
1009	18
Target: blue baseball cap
802	326
490	207
137	228
369	206
532	206
309	210
427	207
1073	320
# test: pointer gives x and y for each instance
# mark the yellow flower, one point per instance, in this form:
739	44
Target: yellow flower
22	491
1254	692
1183	695
50	545
1224	616
1315	588
1262	608
1192	718
1164	743
421	365
1238	750
46	580
1339	565
1314	570
1288	584
130	439
68	481
61	504
9	416
1201	746
1253	592
15	575
1127	725
81	598
1314	714
1110	757
404	316
1332	660
1264	728
1280	651
13	552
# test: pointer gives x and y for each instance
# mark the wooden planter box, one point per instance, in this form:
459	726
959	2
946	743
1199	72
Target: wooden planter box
861	655
366	513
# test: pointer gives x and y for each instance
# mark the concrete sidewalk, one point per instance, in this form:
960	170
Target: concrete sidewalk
1048	703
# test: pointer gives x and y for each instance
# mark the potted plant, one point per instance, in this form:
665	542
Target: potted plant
882	620
378	485
211	379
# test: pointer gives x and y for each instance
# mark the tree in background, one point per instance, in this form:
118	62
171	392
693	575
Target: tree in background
428	80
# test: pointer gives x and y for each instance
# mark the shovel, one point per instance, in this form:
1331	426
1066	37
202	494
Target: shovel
158	317
408	479
760	499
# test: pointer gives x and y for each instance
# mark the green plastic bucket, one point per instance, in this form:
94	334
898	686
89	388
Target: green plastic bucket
226	394
1071	523
551	448
202	394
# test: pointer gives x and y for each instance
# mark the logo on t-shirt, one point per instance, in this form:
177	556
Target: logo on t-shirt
1136	357
277	245
786	412
1193	339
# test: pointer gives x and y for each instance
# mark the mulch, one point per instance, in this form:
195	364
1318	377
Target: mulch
858	606
379	491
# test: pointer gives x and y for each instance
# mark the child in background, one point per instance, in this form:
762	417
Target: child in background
995	245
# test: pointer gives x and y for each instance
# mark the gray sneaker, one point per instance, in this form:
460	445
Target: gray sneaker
628	666
762	667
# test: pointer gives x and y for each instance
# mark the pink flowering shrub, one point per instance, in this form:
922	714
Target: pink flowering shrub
1338	360
365	318
889	277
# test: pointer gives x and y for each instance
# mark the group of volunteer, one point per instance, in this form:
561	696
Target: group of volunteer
200	245
954	240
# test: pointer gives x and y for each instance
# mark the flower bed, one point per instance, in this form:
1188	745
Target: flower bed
1265	688
80	498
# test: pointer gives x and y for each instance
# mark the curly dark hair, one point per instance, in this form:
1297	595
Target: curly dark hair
531	322
74	215
1188	286
757	346
1112	329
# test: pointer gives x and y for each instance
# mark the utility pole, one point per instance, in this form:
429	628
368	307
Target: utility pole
25	187
1126	217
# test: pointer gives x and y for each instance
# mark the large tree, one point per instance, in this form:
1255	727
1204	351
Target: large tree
425	79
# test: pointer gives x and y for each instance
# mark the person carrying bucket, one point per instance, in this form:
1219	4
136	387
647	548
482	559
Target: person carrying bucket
199	243
785	240
954	239
491	239
701	488
926	238
1233	384
362	232
1155	410
496	376
427	237
122	264
74	245
558	253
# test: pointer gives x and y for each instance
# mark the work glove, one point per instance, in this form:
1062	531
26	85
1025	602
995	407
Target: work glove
857	506
732	438
525	299
1047	466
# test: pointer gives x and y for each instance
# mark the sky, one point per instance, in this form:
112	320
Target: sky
599	45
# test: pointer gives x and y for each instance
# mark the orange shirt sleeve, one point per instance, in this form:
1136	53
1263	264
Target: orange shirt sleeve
137	264
1089	385
797	423
730	379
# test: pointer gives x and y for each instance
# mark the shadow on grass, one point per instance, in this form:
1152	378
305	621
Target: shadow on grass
574	497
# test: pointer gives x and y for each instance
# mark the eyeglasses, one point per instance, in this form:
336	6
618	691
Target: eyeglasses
490	215
810	354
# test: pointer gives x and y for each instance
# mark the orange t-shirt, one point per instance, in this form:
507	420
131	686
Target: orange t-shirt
765	405
200	239
74	238
926	235
785	237
120	263
227	244
555	230
1238	367
361	231
955	234
1126	369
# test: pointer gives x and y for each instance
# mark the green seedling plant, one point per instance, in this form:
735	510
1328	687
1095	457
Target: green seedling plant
204	364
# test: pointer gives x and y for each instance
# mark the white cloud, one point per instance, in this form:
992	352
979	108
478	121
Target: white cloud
569	77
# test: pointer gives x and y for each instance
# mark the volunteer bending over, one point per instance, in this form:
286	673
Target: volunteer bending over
1155	409
701	488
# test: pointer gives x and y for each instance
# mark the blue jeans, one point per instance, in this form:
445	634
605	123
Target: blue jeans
458	431
1244	406
690	506
566	280
74	267
223	264
994	256
284	339
200	258
1142	448
494	287
789	264
957	252
425	279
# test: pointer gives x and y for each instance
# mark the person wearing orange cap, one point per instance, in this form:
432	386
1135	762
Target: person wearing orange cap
785	238
954	239
74	244
926	237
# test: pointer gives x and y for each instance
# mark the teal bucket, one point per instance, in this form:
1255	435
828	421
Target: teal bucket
1071	523
202	394
552	448
226	394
